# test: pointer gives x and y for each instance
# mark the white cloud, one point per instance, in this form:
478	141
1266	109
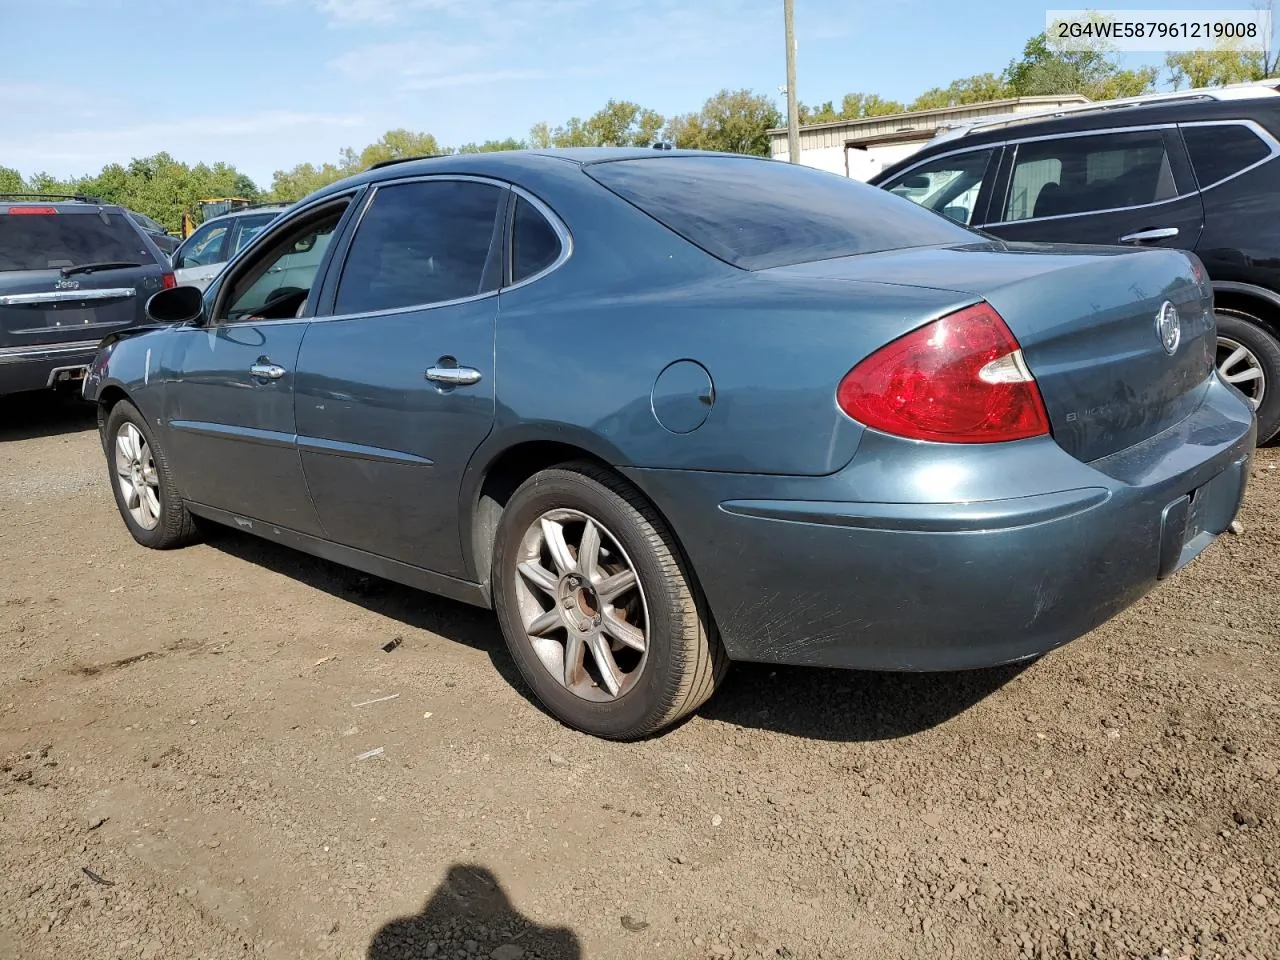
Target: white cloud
378	11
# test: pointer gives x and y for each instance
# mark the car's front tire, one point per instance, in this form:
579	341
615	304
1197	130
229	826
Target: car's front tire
1248	358
146	494
599	609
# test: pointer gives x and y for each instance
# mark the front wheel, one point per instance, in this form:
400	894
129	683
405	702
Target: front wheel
145	492
1248	358
598	609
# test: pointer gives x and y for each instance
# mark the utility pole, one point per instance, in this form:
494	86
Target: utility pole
793	121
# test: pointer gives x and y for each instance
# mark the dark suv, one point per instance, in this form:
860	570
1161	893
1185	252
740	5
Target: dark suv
72	270
1196	170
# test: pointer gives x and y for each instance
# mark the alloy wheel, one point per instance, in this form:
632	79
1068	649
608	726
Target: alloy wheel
582	605
137	476
1241	368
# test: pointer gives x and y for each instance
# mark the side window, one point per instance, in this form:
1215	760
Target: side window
246	229
948	185
276	283
1219	150
204	247
1073	175
534	242
418	244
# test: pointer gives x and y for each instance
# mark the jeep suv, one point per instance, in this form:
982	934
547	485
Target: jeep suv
1196	169
72	270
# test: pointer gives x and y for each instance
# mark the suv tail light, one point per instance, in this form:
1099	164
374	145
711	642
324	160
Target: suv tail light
959	379
168	282
31	211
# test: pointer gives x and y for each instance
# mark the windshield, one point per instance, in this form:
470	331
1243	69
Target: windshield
757	214
48	241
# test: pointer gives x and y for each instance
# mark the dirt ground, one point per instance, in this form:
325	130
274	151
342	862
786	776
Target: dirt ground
181	772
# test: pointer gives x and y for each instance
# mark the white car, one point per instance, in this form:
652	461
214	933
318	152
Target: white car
203	254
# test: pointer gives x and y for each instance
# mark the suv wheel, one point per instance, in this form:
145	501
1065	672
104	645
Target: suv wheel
1249	359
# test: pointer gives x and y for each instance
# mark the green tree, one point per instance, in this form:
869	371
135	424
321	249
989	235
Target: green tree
980	88
621	123
1047	67
540	137
732	121
572	134
392	145
853	106
294	184
493	146
11	181
1223	63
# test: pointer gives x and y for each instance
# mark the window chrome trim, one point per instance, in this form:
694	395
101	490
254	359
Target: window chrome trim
1112	131
64	296
1014	142
972	148
561	232
1257	129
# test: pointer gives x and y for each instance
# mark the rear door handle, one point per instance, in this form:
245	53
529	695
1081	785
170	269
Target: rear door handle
454	376
1156	233
266	370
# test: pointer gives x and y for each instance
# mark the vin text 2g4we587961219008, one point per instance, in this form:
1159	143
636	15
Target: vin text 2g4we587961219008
664	410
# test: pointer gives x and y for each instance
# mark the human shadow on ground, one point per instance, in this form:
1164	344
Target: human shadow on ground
49	413
811	702
470	914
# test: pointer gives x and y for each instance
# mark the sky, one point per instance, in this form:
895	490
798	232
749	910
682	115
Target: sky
267	84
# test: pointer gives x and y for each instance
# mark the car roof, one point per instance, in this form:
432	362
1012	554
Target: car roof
63	203
1107	116
510	163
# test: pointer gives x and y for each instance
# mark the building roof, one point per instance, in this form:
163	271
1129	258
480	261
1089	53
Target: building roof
943	113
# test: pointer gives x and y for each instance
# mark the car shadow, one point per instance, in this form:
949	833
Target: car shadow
470	915
48	413
850	705
810	702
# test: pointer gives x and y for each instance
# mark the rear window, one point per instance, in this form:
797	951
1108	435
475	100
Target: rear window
757	214
53	240
1221	150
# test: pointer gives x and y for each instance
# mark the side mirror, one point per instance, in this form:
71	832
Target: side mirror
305	244
183	304
917	182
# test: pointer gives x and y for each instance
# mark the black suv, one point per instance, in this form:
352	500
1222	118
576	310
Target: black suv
72	270
1196	170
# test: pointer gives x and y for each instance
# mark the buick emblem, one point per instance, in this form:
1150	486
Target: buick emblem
1169	328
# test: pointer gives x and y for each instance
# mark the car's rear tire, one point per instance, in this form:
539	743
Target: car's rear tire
614	660
1248	358
146	495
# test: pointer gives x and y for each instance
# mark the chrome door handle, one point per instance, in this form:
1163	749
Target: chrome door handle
454	376
266	371
1157	233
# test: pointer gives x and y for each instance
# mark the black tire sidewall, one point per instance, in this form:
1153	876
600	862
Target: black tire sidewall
639	709
1242	327
122	413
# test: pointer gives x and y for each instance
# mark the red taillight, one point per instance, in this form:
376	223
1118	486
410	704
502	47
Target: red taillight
169	282
960	379
32	211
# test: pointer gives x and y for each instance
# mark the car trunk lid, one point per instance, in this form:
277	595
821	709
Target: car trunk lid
1088	322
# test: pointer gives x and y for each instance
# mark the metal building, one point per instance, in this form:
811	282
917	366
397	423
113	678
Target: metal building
861	148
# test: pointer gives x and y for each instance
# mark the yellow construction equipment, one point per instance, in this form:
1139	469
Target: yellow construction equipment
212	207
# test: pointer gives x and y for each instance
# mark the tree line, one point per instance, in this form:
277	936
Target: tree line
734	121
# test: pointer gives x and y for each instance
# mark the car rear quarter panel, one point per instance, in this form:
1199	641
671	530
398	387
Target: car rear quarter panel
580	349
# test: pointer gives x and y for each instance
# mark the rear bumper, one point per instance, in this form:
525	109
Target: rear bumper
860	572
38	367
